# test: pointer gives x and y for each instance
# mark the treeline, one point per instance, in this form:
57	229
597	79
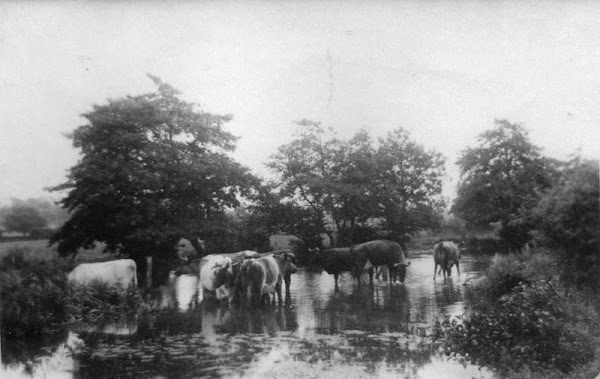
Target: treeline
154	167
32	218
505	180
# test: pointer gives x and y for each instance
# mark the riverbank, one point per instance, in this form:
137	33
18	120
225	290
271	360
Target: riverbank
525	321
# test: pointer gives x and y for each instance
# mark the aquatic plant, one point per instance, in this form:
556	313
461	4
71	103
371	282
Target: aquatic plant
100	303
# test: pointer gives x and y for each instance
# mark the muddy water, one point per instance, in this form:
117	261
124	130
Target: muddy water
378	330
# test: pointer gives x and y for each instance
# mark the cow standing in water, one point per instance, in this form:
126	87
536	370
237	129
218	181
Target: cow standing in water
379	253
334	261
261	277
446	254
287	277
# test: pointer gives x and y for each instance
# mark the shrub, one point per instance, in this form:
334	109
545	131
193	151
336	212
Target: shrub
530	324
33	300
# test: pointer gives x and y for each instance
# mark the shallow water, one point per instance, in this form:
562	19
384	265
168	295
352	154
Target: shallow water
378	330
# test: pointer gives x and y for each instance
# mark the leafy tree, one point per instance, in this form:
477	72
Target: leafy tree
499	177
273	214
350	189
409	184
24	220
152	168
568	217
54	214
306	168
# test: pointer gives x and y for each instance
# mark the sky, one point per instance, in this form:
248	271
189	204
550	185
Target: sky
443	70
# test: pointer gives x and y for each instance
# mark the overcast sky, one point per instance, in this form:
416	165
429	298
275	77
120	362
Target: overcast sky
443	70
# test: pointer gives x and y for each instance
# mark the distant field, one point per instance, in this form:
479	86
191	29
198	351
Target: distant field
39	250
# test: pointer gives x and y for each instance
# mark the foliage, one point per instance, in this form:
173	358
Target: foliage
500	177
518	320
23	220
274	215
153	167
568	217
237	230
341	187
101	303
33	300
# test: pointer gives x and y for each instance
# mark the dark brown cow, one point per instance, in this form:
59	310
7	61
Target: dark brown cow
379	253
334	261
260	277
446	254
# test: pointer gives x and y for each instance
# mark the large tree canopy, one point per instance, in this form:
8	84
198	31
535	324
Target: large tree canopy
152	166
501	175
343	187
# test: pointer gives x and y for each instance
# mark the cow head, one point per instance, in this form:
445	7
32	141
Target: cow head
223	273
314	255
401	271
190	249
286	262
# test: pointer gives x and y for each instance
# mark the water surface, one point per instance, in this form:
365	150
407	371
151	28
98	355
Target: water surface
378	330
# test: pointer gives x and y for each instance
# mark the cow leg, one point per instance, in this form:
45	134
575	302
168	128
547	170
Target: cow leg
371	275
457	268
249	296
278	290
335	277
288	296
200	292
358	269
434	270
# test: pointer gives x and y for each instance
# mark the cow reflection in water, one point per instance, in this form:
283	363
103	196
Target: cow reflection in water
238	320
447	294
372	308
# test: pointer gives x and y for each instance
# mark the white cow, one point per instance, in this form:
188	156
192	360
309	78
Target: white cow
216	274
121	271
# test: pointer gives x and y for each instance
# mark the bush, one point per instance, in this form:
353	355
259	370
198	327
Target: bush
568	217
32	300
519	320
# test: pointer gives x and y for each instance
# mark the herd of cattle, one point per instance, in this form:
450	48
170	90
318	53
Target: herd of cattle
255	277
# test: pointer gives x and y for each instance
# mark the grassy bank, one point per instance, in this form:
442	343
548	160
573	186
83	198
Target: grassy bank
524	321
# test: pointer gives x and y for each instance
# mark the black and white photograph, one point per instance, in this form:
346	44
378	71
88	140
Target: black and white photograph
300	189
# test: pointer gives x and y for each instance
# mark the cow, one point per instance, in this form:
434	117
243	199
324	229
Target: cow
287	277
215	274
121	272
446	254
202	272
334	261
379	253
260	277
